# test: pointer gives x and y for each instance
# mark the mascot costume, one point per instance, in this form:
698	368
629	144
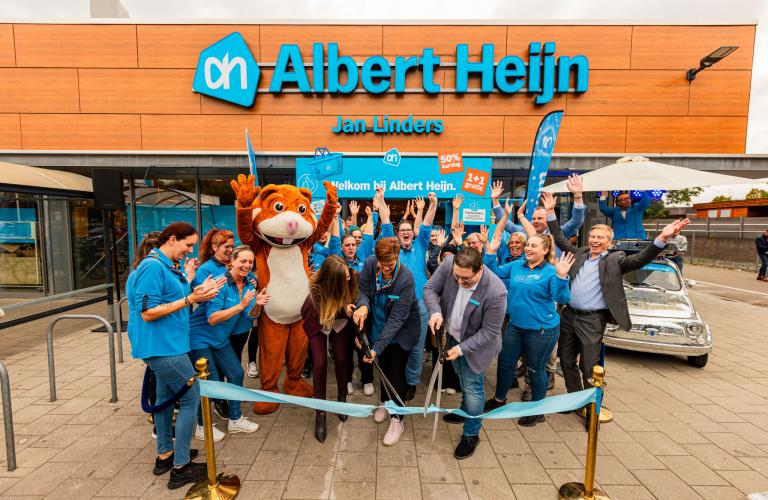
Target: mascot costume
279	224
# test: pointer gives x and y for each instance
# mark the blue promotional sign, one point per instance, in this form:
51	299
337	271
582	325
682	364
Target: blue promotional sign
227	70
543	147
358	177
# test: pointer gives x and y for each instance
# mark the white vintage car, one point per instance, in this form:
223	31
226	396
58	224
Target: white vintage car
664	320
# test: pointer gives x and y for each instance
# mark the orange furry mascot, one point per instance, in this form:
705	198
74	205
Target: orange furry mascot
279	224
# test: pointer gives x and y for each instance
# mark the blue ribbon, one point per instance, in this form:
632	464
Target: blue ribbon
562	402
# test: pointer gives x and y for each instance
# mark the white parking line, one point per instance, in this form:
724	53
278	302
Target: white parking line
731	288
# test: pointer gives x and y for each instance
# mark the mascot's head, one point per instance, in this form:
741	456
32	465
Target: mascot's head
286	217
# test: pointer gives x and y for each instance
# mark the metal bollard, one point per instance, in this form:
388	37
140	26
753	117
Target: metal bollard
119	324
110	340
216	487
10	442
586	490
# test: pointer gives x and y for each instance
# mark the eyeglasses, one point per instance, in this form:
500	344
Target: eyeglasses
463	279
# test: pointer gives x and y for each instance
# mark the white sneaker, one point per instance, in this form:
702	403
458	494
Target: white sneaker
200	434
253	370
450	391
380	414
242	424
368	389
394	432
350	388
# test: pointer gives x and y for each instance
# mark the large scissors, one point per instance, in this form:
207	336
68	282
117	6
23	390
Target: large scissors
437	374
388	387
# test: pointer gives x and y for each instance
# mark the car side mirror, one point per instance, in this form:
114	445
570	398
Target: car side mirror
690	283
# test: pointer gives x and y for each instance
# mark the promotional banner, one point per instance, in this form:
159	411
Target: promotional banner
251	158
543	147
358	177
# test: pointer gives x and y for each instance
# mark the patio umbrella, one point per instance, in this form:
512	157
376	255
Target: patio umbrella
636	172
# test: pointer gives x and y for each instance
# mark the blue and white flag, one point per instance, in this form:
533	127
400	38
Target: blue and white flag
543	147
251	159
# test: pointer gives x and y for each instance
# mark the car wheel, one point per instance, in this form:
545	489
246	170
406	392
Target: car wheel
698	361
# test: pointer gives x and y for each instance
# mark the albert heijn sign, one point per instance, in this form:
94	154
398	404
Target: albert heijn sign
227	70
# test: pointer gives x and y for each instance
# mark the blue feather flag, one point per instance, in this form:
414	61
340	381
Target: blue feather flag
251	159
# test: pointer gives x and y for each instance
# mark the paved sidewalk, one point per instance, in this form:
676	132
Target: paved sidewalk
679	432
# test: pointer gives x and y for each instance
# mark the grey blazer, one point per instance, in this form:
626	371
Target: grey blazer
482	319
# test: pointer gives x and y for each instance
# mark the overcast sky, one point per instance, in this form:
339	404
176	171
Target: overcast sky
569	11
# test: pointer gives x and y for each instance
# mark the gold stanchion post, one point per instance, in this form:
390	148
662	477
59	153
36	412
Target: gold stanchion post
216	487
587	491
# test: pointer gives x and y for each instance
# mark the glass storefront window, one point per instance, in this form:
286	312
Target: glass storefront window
21	252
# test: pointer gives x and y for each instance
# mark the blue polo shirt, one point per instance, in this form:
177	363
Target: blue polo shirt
157	281
414	258
533	293
202	334
211	267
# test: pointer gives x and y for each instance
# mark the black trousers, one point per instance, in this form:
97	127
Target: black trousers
366	369
581	339
238	344
392	361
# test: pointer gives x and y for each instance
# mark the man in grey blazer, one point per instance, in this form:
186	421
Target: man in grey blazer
471	301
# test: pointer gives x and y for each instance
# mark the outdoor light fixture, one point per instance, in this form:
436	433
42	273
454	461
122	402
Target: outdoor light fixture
709	60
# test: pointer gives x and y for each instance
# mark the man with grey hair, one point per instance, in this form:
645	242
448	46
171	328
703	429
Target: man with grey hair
597	293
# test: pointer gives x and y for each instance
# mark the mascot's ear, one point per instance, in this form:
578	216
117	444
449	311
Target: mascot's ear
306	193
268	190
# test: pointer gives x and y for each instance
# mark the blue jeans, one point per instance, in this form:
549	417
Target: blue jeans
416	357
537	346
222	361
172	372
472	393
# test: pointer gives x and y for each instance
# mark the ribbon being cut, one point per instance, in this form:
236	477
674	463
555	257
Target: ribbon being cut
554	404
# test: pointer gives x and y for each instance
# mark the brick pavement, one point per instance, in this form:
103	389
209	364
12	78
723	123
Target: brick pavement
679	432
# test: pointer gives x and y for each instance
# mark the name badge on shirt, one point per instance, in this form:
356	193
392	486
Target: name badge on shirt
473	301
393	297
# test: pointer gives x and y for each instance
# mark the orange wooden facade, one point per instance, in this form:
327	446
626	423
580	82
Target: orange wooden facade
129	87
734	208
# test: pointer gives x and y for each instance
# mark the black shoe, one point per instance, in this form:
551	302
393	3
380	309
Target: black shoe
526	395
550	380
190	473
306	373
341	416
515	383
466	447
452	418
492	404
410	393
165	464
221	408
320	427
531	420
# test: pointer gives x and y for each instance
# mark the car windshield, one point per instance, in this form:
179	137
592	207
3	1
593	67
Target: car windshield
654	275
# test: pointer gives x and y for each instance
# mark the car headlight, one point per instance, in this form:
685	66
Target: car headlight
694	329
696	332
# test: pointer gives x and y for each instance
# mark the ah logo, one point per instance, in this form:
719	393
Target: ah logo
305	181
227	70
474	206
392	157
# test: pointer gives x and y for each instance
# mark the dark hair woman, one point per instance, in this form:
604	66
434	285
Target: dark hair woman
147	244
326	313
388	296
159	301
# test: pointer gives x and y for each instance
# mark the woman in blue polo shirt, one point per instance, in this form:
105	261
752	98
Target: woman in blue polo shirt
159	301
231	312
536	285
215	254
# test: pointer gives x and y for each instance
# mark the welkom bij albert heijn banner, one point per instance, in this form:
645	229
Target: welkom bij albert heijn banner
447	175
